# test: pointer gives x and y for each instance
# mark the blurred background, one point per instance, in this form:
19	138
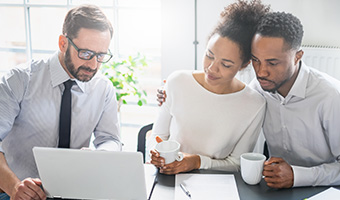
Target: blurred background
30	30
171	34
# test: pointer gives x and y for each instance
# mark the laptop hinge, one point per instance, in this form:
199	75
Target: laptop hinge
57	197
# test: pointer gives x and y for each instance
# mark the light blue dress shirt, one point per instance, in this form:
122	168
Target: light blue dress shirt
30	97
304	128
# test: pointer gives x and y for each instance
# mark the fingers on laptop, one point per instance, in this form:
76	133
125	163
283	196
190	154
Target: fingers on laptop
29	189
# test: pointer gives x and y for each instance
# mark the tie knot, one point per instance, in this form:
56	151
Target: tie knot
68	84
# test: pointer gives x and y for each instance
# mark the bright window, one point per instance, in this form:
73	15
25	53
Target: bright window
30	30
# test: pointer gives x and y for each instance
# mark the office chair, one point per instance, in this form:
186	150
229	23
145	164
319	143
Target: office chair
141	138
265	150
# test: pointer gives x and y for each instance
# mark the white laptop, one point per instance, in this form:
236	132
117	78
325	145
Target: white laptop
84	174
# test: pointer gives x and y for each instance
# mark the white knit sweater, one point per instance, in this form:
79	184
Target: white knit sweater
217	127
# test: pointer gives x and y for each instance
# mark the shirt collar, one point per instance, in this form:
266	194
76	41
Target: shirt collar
59	75
300	85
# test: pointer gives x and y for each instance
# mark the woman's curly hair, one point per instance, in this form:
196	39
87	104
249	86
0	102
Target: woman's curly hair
238	22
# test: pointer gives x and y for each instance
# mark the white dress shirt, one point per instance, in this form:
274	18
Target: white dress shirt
304	127
30	97
217	127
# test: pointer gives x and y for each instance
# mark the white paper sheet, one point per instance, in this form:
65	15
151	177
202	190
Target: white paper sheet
206	186
150	175
330	193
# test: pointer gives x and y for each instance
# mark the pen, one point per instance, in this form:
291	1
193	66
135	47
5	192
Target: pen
153	186
185	190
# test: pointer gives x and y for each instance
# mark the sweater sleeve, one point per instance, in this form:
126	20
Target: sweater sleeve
161	126
245	144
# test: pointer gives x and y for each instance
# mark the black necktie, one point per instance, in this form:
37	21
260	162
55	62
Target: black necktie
65	116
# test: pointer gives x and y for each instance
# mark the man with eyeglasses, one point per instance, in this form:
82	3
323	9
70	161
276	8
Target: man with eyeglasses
32	97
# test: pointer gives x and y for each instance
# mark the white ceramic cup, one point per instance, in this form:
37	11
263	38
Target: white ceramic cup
169	150
252	167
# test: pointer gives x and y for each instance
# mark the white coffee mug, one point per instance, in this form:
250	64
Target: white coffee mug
252	167
169	150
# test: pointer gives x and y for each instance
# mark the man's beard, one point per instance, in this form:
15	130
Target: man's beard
77	73
277	85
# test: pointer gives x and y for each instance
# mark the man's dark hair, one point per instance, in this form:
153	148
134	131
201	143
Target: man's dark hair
85	16
238	23
283	25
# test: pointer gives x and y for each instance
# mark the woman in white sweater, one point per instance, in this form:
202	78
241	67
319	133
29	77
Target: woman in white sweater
214	116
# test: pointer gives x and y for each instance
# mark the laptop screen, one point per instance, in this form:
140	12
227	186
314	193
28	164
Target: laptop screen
84	174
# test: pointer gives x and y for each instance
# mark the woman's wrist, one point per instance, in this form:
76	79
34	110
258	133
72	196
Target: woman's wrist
198	162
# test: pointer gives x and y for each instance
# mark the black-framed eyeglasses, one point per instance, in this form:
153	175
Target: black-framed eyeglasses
86	54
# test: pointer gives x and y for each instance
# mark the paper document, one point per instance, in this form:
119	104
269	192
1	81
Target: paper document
330	193
150	175
206	186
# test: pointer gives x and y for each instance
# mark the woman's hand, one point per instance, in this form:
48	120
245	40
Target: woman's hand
189	162
156	159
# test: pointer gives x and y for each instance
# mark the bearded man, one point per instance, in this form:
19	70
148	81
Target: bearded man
58	102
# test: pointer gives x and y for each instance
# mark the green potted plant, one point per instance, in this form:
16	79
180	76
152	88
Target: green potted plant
124	73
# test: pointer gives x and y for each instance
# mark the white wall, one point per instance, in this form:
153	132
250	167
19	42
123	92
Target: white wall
177	36
319	17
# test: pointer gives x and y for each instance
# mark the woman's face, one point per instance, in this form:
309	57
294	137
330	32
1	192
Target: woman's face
221	61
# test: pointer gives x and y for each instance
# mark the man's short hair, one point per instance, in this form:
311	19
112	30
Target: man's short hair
283	25
85	16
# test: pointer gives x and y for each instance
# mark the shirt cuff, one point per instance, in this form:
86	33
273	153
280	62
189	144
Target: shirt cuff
302	176
205	162
1	150
109	146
